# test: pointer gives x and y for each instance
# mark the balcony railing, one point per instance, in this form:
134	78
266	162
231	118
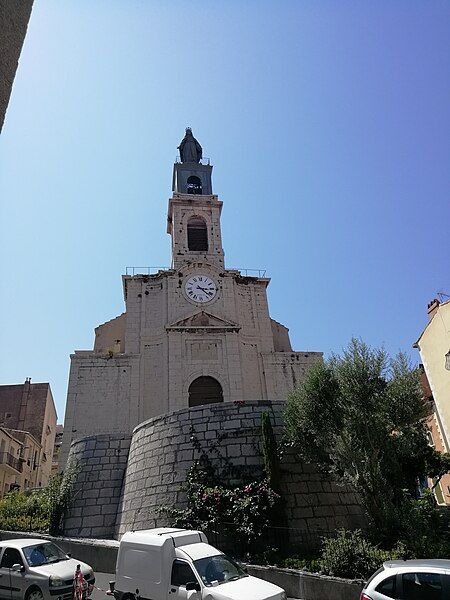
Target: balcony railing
8	459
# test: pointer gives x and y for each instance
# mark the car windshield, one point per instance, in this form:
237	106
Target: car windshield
43	554
218	569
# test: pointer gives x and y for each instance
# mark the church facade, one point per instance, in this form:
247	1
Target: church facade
194	334
195	353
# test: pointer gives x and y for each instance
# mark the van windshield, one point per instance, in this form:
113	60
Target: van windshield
43	554
218	569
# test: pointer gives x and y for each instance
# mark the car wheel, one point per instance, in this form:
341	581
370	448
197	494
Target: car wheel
34	594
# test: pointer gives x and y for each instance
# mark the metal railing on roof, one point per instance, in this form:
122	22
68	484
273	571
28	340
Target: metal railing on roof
251	272
145	270
203	161
132	271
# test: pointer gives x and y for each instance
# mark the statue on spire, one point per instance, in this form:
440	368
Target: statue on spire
190	149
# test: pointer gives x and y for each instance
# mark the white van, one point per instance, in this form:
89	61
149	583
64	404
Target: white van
177	564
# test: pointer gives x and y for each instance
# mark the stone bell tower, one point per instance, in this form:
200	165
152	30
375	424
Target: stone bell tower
193	218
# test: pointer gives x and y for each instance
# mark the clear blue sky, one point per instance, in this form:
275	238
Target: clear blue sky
328	124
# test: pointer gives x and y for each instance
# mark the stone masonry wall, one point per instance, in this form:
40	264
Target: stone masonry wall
14	17
124	480
102	460
162	452
102	397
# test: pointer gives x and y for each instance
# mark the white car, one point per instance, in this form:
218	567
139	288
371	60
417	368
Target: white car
35	569
410	580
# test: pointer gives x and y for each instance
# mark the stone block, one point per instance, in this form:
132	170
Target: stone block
232	424
185	455
109	520
91	510
314	486
109	509
234	450
323	511
93	521
93	493
90	501
72	523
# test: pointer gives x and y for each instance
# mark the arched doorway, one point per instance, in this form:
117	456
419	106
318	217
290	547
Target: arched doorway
205	390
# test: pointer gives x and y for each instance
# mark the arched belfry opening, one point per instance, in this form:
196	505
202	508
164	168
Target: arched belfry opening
194	185
197	234
205	390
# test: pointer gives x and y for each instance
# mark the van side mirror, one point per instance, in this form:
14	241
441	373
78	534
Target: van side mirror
193	585
18	568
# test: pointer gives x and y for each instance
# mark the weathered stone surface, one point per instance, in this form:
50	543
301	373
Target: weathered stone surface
310	503
14	17
150	468
90	504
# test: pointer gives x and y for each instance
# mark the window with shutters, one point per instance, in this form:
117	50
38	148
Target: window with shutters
197	234
205	390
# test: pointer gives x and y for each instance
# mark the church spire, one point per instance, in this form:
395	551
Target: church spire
193	218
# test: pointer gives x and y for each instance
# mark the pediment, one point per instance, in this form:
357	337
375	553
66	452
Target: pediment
203	320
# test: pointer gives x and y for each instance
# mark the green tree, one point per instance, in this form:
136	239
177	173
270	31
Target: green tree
360	416
270	453
58	496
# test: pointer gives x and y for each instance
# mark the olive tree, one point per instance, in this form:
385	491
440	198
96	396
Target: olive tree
360	417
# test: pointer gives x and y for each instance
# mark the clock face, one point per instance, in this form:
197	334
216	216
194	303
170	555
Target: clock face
200	288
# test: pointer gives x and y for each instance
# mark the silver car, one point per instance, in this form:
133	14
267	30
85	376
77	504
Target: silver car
36	569
410	580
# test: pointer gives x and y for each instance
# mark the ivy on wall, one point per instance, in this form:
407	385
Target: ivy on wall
222	496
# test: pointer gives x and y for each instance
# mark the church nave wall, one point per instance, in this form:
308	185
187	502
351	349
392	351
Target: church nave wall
102	397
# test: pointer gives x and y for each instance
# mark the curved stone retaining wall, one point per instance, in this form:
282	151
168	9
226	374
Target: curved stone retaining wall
162	452
122	486
102	460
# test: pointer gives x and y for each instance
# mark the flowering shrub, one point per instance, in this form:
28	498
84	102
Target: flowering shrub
245	509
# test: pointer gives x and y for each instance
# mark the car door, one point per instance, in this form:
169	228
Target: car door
12	583
182	574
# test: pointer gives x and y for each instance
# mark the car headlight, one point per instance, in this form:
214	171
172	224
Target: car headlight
55	581
89	574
